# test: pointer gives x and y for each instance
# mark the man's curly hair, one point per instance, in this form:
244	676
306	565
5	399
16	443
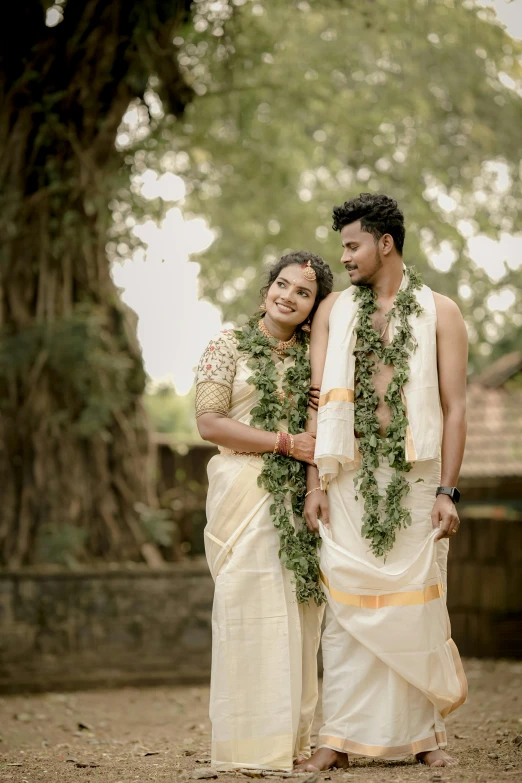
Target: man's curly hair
378	214
324	277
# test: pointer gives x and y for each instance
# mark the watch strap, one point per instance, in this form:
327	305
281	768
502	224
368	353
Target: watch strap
452	492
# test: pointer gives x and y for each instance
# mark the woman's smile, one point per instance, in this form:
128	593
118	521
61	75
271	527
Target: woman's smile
284	308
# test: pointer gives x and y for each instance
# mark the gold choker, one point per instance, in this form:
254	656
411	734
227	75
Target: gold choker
282	345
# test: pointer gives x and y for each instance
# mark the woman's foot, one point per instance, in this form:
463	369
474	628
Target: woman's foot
436	758
324	758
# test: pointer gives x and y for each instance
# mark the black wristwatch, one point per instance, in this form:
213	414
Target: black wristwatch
452	492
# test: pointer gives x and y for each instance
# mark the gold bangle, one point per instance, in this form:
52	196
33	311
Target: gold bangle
292	444
278	439
313	490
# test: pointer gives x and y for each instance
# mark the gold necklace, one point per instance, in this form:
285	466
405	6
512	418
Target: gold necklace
282	345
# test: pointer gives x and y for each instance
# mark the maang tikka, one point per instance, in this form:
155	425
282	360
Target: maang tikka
309	271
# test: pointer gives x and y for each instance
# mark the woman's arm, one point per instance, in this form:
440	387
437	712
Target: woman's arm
234	435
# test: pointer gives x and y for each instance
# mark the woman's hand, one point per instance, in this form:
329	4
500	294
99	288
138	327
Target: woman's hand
313	397
304	447
316	506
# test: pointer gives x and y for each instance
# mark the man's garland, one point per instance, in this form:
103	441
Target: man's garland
284	477
378	530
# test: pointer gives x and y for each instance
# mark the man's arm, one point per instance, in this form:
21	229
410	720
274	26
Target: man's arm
452	360
316	504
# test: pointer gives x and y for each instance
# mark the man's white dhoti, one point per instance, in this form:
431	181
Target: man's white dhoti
391	669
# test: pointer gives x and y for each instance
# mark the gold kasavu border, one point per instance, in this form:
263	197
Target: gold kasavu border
382	751
337	395
361	601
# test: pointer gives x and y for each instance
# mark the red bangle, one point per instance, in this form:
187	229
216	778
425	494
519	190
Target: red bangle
284	444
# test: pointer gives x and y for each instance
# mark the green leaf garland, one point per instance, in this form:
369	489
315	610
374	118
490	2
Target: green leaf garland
284	477
380	529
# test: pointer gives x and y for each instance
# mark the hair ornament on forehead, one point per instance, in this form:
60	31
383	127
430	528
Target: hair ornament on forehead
309	271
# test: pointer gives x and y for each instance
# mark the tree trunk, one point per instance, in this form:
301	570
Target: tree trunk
73	435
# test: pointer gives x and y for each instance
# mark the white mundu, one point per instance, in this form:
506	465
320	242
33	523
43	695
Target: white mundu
264	643
391	670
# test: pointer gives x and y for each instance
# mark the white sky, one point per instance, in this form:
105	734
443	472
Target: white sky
160	283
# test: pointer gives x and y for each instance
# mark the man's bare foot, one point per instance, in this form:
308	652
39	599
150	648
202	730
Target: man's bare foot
436	758
300	760
324	758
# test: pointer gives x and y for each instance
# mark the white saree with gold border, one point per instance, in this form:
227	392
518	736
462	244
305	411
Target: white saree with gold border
391	670
264	643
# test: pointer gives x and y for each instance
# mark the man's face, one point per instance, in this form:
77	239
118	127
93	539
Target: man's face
361	257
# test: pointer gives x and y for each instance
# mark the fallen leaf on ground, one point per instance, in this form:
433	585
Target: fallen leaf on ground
313	778
461	736
23	716
152	752
253	773
492	755
518	740
85	727
85	764
189	752
204	774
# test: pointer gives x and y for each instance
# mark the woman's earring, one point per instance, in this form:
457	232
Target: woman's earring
262	307
306	327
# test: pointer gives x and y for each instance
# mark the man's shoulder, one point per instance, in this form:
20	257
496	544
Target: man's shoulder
448	314
445	305
325	307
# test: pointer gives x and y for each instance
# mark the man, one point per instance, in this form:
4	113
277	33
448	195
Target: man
389	356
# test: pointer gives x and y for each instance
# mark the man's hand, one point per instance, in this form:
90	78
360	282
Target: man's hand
316	506
445	517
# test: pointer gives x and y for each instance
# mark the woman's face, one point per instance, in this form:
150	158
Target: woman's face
291	296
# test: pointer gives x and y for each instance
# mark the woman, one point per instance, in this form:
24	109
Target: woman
251	398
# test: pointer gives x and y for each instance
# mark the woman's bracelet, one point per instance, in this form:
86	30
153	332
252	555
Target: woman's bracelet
313	490
284	444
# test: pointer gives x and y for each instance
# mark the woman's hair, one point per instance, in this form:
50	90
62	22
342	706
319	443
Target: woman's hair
324	277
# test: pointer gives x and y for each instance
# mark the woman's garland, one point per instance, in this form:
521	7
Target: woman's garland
284	477
378	530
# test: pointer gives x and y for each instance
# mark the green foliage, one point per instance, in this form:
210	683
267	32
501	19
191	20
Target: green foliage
171	413
380	529
156	523
284	477
60	544
87	348
301	105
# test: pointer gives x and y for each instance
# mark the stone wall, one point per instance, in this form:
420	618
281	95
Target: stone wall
75	629
106	627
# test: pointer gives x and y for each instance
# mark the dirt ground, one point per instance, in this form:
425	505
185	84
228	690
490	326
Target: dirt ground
162	734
